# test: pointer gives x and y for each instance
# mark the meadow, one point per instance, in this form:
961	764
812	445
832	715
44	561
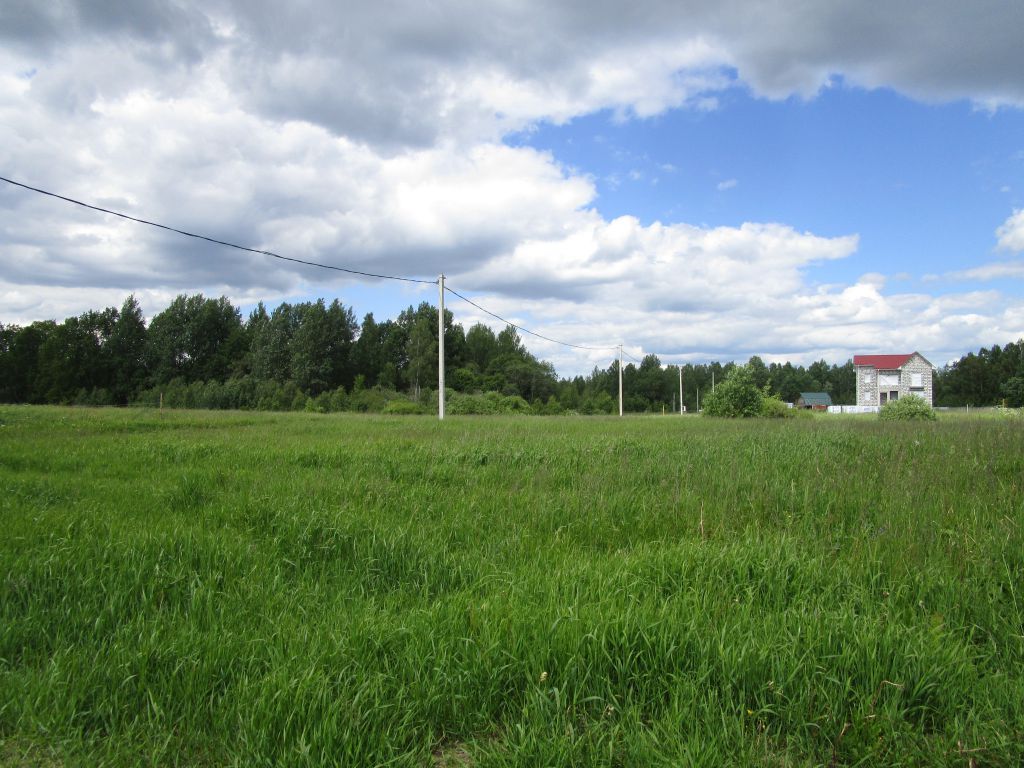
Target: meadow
259	589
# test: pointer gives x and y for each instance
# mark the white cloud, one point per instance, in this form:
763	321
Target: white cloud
442	70
993	271
1011	233
1010	237
727	184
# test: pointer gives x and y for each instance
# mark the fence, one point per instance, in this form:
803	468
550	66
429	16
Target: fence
854	409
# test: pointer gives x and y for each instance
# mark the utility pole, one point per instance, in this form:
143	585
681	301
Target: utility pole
681	409
440	349
712	380
620	379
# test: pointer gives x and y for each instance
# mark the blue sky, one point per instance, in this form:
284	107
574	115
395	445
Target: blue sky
693	179
924	186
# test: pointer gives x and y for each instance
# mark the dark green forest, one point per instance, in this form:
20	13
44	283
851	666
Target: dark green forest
201	353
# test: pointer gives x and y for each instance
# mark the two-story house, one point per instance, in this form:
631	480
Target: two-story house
884	378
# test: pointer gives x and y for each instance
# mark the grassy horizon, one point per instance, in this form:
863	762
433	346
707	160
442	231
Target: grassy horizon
241	588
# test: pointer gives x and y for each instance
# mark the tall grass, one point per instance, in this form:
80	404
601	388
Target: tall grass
293	589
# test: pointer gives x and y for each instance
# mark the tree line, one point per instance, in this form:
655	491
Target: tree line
993	376
200	352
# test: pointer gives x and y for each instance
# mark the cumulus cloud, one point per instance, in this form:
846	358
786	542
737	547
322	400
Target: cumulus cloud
449	69
291	188
1011	233
828	323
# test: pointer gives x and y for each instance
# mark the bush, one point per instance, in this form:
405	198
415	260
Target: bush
909	408
319	404
476	405
299	401
514	404
736	397
461	404
602	402
367	400
551	408
339	400
772	407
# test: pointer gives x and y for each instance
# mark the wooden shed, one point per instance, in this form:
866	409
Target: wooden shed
817	401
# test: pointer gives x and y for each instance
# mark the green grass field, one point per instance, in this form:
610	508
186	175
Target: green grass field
187	588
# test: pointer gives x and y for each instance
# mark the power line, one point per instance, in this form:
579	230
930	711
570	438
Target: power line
215	240
521	328
307	263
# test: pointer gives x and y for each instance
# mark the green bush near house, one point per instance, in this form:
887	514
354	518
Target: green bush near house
772	407
909	408
736	397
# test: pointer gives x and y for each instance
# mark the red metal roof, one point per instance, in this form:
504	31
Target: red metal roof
882	361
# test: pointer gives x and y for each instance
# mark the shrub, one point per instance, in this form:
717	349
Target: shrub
367	400
299	401
464	405
514	404
339	400
909	408
772	407
319	404
551	408
602	402
737	396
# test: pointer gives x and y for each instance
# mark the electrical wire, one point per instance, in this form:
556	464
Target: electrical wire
310	264
521	328
215	240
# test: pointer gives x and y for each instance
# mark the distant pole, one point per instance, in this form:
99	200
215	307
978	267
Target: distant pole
620	379
712	381
680	389
440	349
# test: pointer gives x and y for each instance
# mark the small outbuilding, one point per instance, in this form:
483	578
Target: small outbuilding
816	401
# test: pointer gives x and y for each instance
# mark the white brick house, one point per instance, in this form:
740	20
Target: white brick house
883	378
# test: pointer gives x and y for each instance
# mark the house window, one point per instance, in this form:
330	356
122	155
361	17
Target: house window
915	380
888	379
